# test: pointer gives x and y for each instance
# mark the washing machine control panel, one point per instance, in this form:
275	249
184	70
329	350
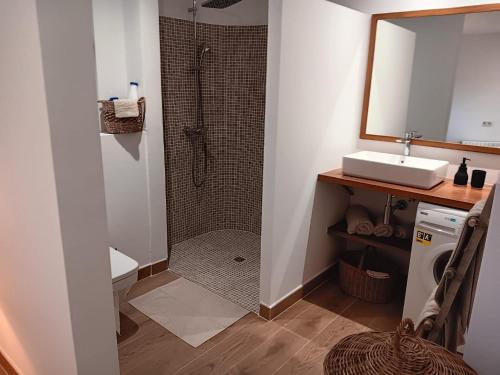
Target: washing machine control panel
442	220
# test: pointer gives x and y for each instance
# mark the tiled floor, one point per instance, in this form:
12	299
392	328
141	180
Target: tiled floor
295	342
209	260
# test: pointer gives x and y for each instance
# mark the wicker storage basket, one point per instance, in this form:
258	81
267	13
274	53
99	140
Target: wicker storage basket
399	352
357	282
114	125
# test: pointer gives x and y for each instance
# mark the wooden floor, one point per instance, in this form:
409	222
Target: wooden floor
295	342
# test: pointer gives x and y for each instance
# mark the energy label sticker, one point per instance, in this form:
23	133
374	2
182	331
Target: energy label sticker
424	238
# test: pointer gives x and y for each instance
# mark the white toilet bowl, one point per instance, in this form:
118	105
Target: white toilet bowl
124	271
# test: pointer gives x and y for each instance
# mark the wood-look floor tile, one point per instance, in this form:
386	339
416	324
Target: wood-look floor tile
233	349
390	316
373	315
292	312
311	322
337	330
145	285
270	355
330	297
308	360
154	350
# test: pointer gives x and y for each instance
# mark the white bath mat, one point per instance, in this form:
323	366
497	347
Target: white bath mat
189	311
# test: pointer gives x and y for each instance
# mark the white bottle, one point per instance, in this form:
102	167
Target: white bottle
132	92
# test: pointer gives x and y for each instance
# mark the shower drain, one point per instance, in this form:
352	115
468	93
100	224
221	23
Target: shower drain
239	259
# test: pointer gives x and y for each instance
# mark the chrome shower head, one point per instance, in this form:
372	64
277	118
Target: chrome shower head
219	4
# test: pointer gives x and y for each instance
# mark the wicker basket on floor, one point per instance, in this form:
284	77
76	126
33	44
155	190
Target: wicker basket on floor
399	352
115	125
357	282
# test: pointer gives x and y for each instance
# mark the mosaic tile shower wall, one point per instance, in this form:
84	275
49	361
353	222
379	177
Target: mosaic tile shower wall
233	85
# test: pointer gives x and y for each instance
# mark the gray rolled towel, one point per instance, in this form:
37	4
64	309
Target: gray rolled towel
358	221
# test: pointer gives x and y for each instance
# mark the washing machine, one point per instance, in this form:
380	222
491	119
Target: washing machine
437	230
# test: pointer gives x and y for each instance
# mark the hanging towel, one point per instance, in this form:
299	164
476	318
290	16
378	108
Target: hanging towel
381	229
431	308
126	108
358	221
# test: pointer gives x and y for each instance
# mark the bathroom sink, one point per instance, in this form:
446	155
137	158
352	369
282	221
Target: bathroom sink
397	169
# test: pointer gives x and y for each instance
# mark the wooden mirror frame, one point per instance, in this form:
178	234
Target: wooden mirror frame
369	73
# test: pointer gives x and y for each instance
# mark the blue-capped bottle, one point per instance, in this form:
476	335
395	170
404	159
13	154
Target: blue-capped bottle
133	91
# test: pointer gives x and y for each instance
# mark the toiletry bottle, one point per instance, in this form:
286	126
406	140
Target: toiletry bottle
461	177
132	93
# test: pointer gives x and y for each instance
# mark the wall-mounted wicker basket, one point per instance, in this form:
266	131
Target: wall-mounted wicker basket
114	125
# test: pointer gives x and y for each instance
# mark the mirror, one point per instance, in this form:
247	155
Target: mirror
437	73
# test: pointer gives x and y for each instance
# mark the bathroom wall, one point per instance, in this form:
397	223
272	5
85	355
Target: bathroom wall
246	12
313	112
233	84
127	49
481	351
477	88
56	306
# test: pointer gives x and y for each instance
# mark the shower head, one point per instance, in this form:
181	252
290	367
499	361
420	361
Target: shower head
219	4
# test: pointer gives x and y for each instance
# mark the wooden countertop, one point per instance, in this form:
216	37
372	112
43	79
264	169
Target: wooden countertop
445	193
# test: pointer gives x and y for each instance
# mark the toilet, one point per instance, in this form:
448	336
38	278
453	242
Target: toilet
124	271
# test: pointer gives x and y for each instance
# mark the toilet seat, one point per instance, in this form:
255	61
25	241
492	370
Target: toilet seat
122	266
124	273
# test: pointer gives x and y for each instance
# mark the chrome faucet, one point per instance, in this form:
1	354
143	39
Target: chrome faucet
408	138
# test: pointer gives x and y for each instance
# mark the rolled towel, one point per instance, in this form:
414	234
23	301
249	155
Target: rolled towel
402	231
358	221
381	229
473	216
126	108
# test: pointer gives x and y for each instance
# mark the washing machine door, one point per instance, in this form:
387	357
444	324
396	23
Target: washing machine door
433	264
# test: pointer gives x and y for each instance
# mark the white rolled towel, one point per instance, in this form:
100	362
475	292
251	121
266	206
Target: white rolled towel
126	108
358	221
381	229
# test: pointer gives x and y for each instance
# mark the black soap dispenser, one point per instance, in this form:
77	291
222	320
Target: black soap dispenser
461	177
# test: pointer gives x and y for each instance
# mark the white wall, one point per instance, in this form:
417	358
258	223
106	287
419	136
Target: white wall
246	12
314	98
391	79
481	351
477	89
56	309
128	49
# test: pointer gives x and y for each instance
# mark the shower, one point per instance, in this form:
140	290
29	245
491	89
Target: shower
213	90
197	133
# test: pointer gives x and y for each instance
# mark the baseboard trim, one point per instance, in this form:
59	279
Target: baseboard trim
152	269
270	313
6	366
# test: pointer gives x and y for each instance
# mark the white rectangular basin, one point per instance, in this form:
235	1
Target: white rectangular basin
397	169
